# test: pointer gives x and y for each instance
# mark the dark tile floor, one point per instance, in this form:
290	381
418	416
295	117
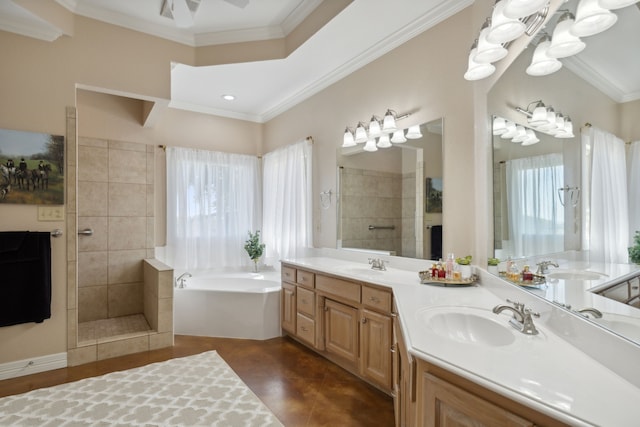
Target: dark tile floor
299	386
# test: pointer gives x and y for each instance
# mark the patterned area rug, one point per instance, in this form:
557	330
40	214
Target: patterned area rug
200	390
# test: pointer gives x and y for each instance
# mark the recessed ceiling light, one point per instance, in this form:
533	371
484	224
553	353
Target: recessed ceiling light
228	97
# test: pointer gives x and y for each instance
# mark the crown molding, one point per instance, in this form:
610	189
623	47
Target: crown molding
600	82
198	108
298	15
238	36
34	28
420	25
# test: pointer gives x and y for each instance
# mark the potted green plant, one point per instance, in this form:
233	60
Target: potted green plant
464	264
492	265
254	248
634	251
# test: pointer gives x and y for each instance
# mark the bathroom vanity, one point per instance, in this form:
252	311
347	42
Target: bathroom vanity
444	355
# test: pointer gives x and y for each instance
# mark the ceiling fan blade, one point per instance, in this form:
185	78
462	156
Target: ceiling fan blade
181	14
238	3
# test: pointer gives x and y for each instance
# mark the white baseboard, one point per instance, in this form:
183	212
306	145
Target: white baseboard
33	365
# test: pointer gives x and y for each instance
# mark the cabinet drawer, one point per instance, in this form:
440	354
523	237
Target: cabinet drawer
376	299
288	274
306	329
341	288
305	278
306	302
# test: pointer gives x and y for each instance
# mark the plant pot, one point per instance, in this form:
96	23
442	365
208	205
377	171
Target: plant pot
493	269
466	271
255	265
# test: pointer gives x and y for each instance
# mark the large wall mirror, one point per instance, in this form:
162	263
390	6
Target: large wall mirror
390	200
545	216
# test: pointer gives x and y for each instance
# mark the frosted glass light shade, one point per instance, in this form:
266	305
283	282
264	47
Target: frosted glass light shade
383	141
616	4
563	43
531	138
389	123
541	63
374	128
539	116
361	134
370	145
521	8
499	126
488	52
398	137
477	71
521	133
347	140
504	29
414	132
592	19
511	130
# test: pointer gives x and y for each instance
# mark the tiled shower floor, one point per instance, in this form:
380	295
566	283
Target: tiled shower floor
117	326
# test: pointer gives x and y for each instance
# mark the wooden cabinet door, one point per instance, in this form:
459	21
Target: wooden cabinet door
375	361
446	405
341	330
288	308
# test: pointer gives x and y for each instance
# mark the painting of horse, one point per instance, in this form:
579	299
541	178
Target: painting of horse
31	168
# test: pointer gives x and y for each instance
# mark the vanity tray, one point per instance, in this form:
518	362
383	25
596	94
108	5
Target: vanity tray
426	279
537	282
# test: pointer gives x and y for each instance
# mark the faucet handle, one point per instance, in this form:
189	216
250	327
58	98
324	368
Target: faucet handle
530	312
516	304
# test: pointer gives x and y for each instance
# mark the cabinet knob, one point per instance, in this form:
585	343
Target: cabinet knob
364	320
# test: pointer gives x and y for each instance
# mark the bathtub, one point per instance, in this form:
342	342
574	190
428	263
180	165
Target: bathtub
231	305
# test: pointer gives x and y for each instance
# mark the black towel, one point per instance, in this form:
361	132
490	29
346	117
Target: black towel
25	277
436	242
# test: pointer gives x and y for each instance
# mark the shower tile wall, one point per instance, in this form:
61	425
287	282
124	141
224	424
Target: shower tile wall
371	198
409	215
115	200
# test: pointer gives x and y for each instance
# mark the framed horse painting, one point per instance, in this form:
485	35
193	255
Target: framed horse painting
31	168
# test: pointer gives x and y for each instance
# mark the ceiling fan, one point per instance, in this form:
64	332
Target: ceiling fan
182	11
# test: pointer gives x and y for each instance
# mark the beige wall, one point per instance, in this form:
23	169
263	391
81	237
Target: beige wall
421	76
39	79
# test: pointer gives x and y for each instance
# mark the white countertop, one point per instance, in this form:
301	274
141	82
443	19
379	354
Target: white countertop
542	371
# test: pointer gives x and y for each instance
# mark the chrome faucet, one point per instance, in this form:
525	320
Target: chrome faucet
543	266
522	318
590	310
180	279
377	264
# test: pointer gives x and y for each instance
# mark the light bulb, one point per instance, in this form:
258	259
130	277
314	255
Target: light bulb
592	19
347	140
398	137
361	134
370	145
414	132
383	141
374	128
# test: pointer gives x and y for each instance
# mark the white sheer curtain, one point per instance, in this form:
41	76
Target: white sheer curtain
287	204
536	216
633	182
212	204
608	208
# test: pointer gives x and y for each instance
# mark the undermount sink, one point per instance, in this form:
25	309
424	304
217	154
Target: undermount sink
563	274
468	325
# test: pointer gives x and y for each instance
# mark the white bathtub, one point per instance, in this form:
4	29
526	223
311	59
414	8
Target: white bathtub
231	305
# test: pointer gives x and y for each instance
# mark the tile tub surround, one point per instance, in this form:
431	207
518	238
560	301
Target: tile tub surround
554	375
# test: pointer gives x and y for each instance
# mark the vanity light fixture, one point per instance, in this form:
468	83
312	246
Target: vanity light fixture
542	63
563	42
377	128
521	134
555	124
531	138
591	18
